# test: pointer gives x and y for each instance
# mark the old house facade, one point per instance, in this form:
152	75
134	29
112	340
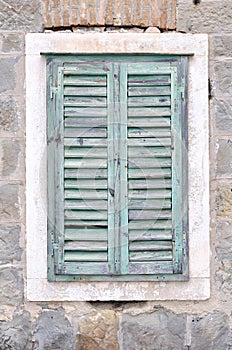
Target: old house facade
169	313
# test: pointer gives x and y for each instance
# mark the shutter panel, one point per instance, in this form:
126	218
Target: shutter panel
154	170
81	238
116	168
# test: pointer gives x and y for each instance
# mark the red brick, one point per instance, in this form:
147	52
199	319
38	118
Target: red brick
101	13
118	21
83	13
109	12
56	18
92	15
47	14
136	13
163	15
155	10
157	13
127	15
145	22
74	17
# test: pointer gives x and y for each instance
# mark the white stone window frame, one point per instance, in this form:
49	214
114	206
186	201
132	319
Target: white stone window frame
37	286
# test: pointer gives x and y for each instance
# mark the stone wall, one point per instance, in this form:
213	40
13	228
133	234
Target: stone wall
169	325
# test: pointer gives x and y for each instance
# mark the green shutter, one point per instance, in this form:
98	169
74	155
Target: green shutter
116	158
152	117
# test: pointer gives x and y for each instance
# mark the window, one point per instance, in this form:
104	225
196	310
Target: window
117	167
118	61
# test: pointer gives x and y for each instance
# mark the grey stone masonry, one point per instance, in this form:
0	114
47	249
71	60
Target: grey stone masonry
209	16
21	14
159	330
53	331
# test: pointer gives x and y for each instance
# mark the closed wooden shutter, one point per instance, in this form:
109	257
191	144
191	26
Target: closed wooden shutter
116	149
151	113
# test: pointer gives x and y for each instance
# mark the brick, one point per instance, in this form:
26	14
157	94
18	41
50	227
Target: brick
109	12
127	14
74	17
92	16
83	13
142	13
56	19
211	16
65	13
101	13
145	18
118	15
47	13
155	17
172	5
163	16
136	14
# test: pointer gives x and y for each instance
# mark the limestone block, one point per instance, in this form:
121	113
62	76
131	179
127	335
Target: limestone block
15	334
8	115
211	16
9	203
160	330
224	158
11	286
224	201
98	331
8	73
21	14
11	42
210	332
9	243
223	114
223	242
11	159
221	45
52	330
223	77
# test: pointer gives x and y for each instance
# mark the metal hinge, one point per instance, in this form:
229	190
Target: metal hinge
184	244
54	246
53	90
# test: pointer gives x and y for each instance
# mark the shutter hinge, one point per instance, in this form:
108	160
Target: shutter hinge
182	89
54	247
53	90
184	244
